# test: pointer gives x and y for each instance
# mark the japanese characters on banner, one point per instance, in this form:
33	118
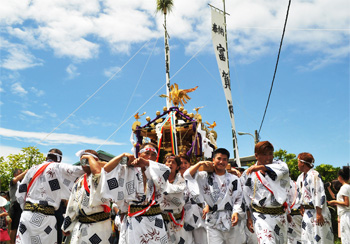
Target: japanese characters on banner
219	43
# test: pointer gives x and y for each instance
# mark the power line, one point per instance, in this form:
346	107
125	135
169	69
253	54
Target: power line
278	57
91	96
183	66
138	82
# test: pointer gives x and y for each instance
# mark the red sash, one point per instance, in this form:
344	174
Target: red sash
174	220
146	208
106	208
257	175
37	174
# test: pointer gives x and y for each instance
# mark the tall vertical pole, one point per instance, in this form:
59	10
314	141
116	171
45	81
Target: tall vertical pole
167	63
234	136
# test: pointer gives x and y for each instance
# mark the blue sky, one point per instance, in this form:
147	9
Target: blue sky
56	54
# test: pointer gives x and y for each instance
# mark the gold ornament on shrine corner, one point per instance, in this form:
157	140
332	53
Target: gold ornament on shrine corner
137	122
197	116
215	135
211	126
137	116
179	96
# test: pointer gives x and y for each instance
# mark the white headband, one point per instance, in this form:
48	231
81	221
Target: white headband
311	164
82	152
58	156
148	149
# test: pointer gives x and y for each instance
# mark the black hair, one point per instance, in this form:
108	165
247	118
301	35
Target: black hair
335	186
16	171
222	151
54	157
176	158
344	172
150	144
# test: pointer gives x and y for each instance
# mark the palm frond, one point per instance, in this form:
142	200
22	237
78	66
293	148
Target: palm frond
165	6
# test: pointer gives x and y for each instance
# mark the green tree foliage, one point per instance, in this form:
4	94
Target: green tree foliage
291	160
165	6
28	157
327	172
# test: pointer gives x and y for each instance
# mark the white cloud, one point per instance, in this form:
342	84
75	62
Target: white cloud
6	150
17	56
51	114
31	114
111	71
75	29
55	138
18	89
72	71
91	121
37	92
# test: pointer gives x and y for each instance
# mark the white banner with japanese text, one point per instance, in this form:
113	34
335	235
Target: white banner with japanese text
219	43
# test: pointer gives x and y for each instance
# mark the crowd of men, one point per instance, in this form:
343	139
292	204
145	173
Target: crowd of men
172	201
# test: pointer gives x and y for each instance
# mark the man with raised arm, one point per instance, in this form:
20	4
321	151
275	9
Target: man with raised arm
140	184
265	188
40	194
86	220
174	201
222	192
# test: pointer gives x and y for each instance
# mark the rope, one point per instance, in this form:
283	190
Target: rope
138	82
152	96
130	117
220	85
92	94
274	74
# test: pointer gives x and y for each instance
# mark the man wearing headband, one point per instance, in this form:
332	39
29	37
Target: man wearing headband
40	194
265	187
174	201
87	216
316	225
138	184
222	192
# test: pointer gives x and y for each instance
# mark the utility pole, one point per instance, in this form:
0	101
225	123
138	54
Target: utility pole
256	138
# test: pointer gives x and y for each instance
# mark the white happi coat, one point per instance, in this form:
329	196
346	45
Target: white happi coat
121	222
124	185
268	228
250	238
311	192
53	185
80	203
194	223
223	199
344	213
294	227
173	201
